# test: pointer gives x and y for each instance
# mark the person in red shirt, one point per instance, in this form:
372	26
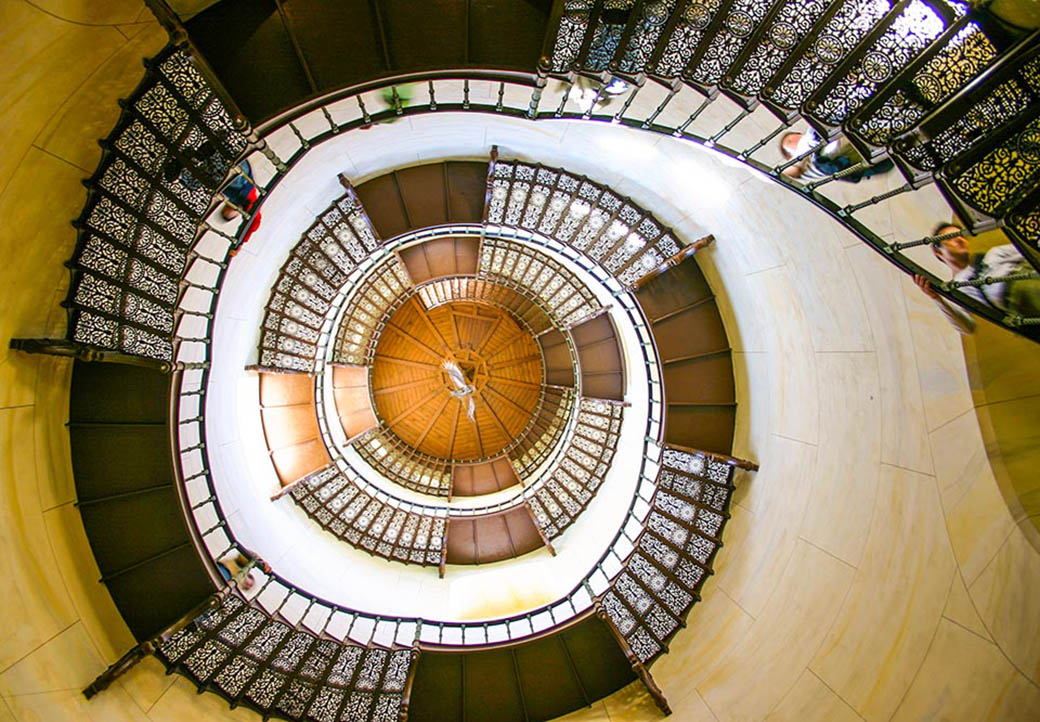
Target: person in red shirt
229	212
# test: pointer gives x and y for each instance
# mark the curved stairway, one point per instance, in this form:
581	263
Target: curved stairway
265	651
955	104
310	662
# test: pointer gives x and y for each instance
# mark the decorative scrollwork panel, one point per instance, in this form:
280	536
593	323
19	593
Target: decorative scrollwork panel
171	150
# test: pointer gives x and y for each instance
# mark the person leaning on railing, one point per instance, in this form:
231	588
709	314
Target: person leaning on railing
1020	296
240	194
834	157
237	568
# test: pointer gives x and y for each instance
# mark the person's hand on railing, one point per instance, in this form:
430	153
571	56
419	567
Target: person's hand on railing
925	285
957	318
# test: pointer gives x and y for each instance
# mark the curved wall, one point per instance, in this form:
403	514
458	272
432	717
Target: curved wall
871	569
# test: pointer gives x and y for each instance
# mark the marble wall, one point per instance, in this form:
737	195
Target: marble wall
872	570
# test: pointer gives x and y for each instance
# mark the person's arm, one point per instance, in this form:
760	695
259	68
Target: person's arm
252	557
796	170
959	319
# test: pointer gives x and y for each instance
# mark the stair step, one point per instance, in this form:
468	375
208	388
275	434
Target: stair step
709	428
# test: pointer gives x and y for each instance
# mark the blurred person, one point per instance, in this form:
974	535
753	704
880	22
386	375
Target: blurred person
1020	296
836	156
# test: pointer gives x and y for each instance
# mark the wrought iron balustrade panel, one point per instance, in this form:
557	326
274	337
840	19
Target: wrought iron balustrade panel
955	65
1007	100
625	239
648	602
350	513
909	34
500	291
994	183
403	465
760	62
250	657
686	36
539	441
581	469
605	38
724	47
317	269
384	284
570	34
170	152
832	42
1023	222
560	293
646	31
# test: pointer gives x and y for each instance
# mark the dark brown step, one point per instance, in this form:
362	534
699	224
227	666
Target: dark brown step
677	287
709	428
533	681
707	379
425	195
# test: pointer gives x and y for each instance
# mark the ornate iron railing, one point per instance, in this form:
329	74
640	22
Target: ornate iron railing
217	538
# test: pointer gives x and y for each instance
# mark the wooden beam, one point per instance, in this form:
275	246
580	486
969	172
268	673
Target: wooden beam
518	361
433	420
429	324
490	334
519	334
494	416
513	382
412	340
413	408
408	362
518	407
402	387
455	428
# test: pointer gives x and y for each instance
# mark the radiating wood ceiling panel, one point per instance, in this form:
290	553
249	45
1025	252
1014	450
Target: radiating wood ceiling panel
413	391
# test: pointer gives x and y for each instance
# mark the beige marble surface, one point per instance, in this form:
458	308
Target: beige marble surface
872	569
810	700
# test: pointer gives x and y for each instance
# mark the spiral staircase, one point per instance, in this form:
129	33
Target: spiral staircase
376	457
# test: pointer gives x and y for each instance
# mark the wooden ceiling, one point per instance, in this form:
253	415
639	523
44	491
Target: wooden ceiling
413	391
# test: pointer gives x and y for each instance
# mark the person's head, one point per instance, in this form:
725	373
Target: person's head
789	144
951	251
248	582
228	212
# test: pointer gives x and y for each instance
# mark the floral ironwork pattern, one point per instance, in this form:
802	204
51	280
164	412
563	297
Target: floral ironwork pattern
833	42
724	47
317	268
651	597
592	219
908	35
172	149
251	657
792	23
968	53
